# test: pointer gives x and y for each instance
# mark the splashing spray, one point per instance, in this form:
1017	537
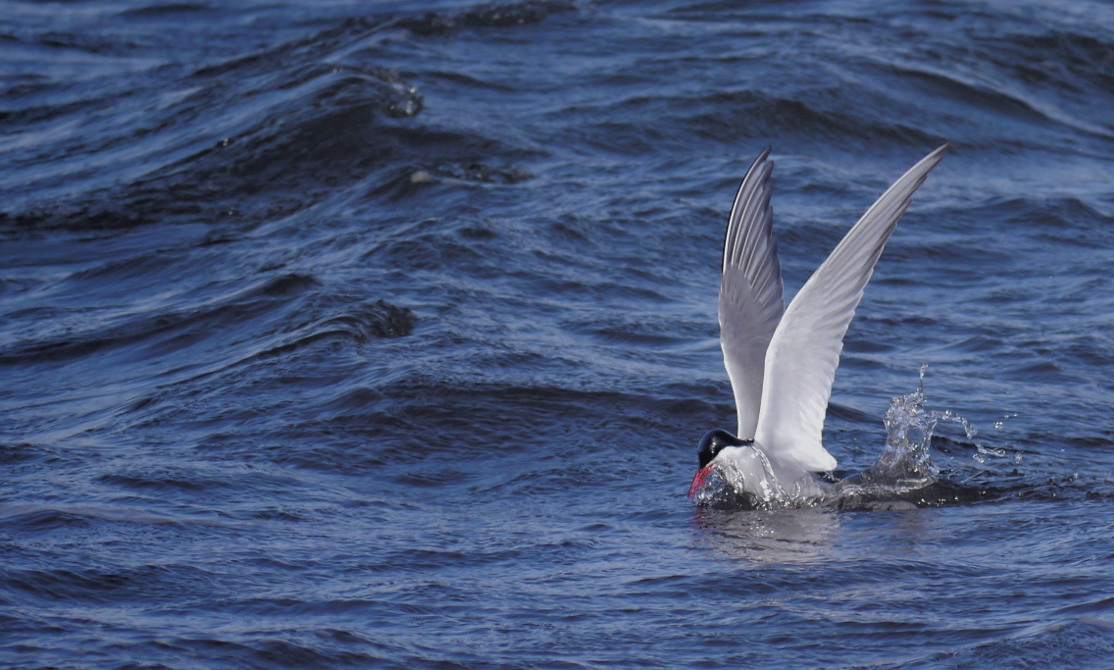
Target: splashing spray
906	461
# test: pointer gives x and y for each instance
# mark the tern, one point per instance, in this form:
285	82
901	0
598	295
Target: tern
782	360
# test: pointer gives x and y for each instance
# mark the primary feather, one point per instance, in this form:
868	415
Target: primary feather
750	292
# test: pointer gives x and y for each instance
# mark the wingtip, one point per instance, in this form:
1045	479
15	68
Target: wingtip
938	152
923	167
762	156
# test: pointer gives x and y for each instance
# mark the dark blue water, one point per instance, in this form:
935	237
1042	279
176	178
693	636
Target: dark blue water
382	334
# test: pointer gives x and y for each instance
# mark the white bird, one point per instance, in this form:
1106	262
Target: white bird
782	361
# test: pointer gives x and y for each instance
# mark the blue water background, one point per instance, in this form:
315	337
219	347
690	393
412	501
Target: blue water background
344	334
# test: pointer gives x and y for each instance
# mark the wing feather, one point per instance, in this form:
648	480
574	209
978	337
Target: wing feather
804	351
750	293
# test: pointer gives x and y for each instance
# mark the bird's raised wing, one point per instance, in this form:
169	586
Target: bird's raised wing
803	355
750	292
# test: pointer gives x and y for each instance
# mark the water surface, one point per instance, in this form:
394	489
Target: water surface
383	334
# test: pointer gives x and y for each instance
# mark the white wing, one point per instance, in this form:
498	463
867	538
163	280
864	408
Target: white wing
804	352
750	292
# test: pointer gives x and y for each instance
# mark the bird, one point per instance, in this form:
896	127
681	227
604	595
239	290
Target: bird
781	361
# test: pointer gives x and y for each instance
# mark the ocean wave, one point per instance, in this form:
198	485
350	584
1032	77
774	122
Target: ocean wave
377	334
493	15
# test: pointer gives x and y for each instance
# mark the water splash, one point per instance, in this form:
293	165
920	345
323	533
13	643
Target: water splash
907	456
903	476
905	464
905	472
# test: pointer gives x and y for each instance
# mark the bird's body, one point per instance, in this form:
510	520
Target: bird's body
782	360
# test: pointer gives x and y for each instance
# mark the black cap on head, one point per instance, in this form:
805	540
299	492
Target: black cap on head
714	441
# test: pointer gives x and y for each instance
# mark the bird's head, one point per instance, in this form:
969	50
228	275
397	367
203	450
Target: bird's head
710	446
